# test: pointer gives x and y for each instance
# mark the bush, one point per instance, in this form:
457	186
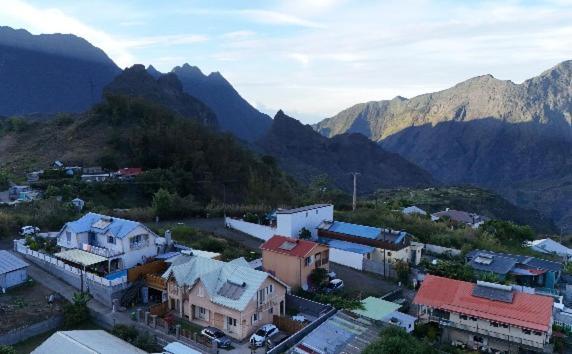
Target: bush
77	312
130	334
7	349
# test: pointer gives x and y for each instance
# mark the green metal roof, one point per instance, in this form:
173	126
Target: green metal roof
376	308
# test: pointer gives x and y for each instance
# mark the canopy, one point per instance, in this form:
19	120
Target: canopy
80	257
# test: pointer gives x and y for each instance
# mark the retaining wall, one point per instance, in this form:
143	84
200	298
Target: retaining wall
19	334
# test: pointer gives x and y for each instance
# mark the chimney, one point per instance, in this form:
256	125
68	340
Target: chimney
446	209
168	239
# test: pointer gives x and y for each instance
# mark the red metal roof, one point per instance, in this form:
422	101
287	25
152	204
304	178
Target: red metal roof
526	310
130	171
301	248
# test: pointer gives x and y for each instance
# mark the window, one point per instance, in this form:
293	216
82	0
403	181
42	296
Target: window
464	317
201	292
271	310
526	331
473	319
536	333
389	254
504	325
494	324
254	318
478	339
202	310
308	261
231	321
111	239
68	236
271	288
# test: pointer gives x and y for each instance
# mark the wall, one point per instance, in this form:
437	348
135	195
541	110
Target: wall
349	259
10	279
261	232
23	333
291	224
378	268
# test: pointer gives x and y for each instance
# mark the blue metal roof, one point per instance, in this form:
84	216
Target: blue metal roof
355	230
117	227
346	246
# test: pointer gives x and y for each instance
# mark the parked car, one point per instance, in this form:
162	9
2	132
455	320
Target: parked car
334	285
263	334
276	340
29	230
217	336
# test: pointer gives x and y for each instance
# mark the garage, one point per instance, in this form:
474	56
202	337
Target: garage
13	270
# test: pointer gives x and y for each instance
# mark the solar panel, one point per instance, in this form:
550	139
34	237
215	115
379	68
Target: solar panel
484	259
231	291
288	246
494	294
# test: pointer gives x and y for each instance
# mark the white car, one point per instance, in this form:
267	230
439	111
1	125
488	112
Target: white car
264	333
29	230
334	285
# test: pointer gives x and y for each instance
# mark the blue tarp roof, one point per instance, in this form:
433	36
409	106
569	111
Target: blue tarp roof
346	246
118	227
355	230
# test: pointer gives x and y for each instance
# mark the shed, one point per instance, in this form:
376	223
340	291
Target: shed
13	270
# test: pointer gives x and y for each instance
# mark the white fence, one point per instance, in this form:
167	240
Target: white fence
261	232
76	272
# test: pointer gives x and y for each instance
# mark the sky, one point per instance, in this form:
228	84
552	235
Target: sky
314	58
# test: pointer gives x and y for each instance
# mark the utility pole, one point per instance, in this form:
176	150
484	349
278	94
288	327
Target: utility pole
354	202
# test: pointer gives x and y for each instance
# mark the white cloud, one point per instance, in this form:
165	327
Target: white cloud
165	40
19	13
278	18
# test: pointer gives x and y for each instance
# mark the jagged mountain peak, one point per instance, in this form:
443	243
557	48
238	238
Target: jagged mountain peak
153	72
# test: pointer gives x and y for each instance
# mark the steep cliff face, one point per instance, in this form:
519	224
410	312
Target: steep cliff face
305	154
50	73
513	138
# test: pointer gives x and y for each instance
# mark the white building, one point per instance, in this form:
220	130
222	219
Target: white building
13	270
86	342
289	222
550	246
123	243
411	210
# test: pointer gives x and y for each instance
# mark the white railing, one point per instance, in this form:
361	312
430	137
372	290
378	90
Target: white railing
101	251
76	272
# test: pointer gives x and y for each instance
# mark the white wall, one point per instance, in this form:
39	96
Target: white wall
349	259
261	232
291	224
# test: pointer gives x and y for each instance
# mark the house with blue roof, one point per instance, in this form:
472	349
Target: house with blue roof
525	270
230	296
351	244
121	243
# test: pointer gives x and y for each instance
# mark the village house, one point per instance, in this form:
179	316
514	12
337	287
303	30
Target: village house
120	243
372	243
462	217
549	246
128	173
230	296
293	260
289	222
525	270
486	316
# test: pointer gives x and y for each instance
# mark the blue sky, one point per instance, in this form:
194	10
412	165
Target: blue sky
313	58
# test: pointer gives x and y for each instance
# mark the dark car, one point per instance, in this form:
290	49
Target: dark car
217	336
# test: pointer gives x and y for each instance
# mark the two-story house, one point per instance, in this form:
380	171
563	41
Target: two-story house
486	316
123	243
293	260
230	296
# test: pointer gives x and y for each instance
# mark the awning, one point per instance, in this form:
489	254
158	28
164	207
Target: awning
80	257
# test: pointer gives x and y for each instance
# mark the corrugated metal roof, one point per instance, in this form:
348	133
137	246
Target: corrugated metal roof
346	246
376	308
216	275
85	342
355	230
80	257
10	263
288	246
526	310
116	226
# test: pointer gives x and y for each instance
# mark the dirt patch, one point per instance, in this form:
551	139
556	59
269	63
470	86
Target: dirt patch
27	304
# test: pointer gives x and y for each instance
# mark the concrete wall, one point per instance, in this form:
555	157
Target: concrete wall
291	224
19	334
349	259
261	232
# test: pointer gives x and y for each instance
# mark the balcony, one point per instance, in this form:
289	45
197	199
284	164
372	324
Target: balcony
101	251
155	281
488	333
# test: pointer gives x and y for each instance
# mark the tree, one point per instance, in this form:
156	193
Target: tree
305	234
394	340
318	277
163	202
402	269
7	349
77	312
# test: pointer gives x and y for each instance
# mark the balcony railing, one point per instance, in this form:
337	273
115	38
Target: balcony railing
101	251
486	332
155	281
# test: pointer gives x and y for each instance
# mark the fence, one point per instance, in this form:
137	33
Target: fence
159	309
102	289
154	267
19	334
261	232
347	258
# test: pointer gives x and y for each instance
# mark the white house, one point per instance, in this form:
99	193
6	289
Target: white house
289	222
13	270
550	246
124	243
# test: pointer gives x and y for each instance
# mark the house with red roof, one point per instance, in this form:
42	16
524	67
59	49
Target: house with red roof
486	316
128	173
292	260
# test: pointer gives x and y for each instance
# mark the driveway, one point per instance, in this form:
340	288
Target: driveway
362	284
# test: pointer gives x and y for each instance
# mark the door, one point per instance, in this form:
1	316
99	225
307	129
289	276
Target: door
282	308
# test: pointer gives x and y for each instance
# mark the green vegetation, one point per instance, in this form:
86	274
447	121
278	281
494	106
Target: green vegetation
319	277
305	234
7	349
394	340
38	243
77	312
142	340
338	301
46	214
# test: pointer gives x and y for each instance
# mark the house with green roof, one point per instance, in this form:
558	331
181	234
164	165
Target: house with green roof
387	312
230	296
